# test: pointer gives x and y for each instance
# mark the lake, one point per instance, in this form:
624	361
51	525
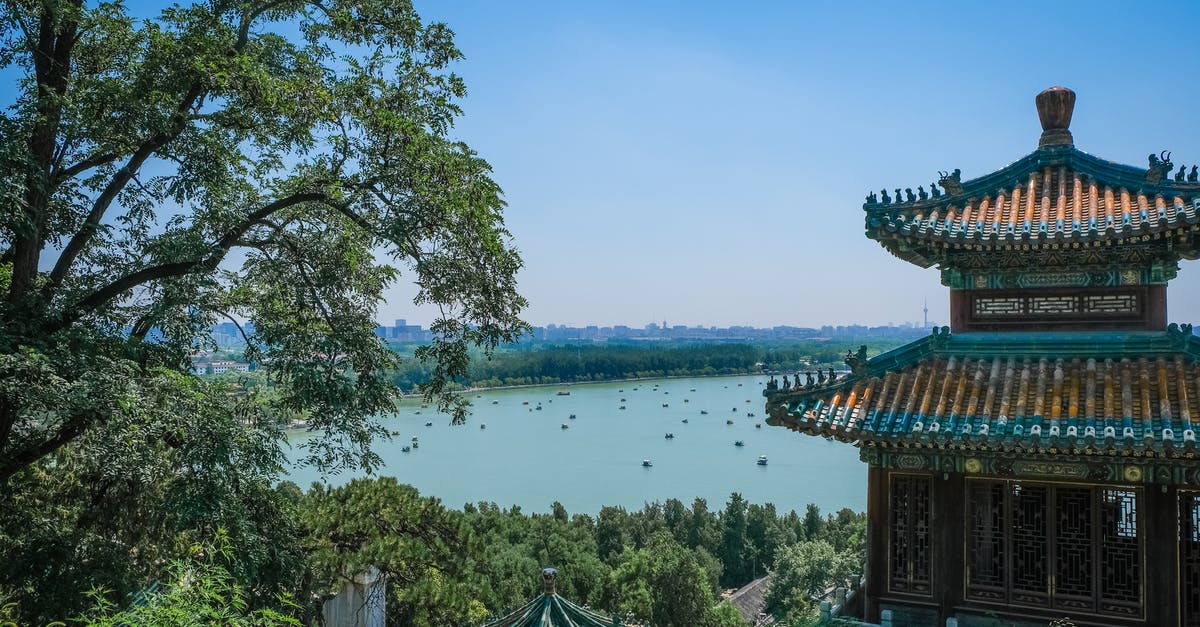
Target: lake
525	457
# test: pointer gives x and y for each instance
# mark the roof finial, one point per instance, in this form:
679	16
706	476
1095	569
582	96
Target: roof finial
548	577
1054	107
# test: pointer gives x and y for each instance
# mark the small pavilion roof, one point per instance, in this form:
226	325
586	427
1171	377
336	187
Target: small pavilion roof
1116	393
1054	196
551	610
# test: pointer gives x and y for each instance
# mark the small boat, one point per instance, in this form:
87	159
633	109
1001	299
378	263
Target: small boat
524	402
572	416
405	449
646	463
749	415
495	402
729	422
685	421
762	460
739	443
395	432
429	424
685	400
758	425
539	408
483	425
665	405
666	392
424	405
417	412
478	396
693	389
621	407
739	385
562	393
415	445
669	436
622	400
414	438
747	400
703	412
565	426
621	390
734	409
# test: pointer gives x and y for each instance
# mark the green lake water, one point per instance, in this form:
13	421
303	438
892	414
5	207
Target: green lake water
524	456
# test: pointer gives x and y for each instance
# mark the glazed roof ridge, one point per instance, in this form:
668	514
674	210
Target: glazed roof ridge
1013	174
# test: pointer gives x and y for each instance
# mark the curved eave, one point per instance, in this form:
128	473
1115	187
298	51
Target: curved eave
914	231
955	392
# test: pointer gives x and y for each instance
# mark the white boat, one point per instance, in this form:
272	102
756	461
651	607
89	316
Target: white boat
762	460
647	463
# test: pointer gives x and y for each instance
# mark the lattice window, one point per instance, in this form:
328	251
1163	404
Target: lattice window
1073	564
908	536
1053	304
998	306
1070	548
1111	303
1120	553
1029	546
1189	557
985	559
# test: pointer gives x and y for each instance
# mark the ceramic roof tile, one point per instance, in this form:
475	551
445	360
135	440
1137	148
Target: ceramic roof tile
1113	392
1054	195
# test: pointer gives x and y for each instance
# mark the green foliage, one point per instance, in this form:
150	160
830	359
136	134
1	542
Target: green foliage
130	496
197	591
421	548
806	569
258	161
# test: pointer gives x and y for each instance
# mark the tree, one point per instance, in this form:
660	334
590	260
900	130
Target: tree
664	583
803	570
157	176
422	549
265	161
737	564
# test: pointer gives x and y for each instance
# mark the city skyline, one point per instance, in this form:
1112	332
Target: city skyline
710	166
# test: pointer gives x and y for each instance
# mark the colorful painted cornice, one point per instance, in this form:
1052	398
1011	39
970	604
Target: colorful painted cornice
1107	393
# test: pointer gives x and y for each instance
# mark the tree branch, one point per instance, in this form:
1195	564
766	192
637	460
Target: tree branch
219	249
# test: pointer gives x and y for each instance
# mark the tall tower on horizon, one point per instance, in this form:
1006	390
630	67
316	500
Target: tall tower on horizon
925	310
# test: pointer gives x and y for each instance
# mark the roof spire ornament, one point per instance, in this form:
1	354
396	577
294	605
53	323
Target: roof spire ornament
1054	107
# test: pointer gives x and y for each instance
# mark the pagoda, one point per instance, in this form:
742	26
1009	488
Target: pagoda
551	610
1036	459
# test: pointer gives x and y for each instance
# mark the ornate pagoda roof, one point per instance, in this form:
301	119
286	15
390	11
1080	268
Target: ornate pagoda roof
551	610
1106	393
1054	197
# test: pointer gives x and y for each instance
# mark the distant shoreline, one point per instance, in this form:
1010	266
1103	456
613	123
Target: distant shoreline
635	379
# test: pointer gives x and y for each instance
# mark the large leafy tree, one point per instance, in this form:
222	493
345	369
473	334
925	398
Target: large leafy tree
273	161
278	161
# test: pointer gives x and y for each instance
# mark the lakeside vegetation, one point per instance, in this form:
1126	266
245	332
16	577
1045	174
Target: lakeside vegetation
665	564
549	364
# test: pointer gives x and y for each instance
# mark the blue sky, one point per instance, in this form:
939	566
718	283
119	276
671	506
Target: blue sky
707	163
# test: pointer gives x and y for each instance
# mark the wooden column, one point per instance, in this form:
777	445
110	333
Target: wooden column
1160	518
949	510
877	537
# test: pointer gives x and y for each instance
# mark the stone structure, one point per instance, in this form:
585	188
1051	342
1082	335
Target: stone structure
1037	458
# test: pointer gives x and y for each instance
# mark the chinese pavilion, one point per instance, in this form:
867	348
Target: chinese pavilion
1037	458
551	610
